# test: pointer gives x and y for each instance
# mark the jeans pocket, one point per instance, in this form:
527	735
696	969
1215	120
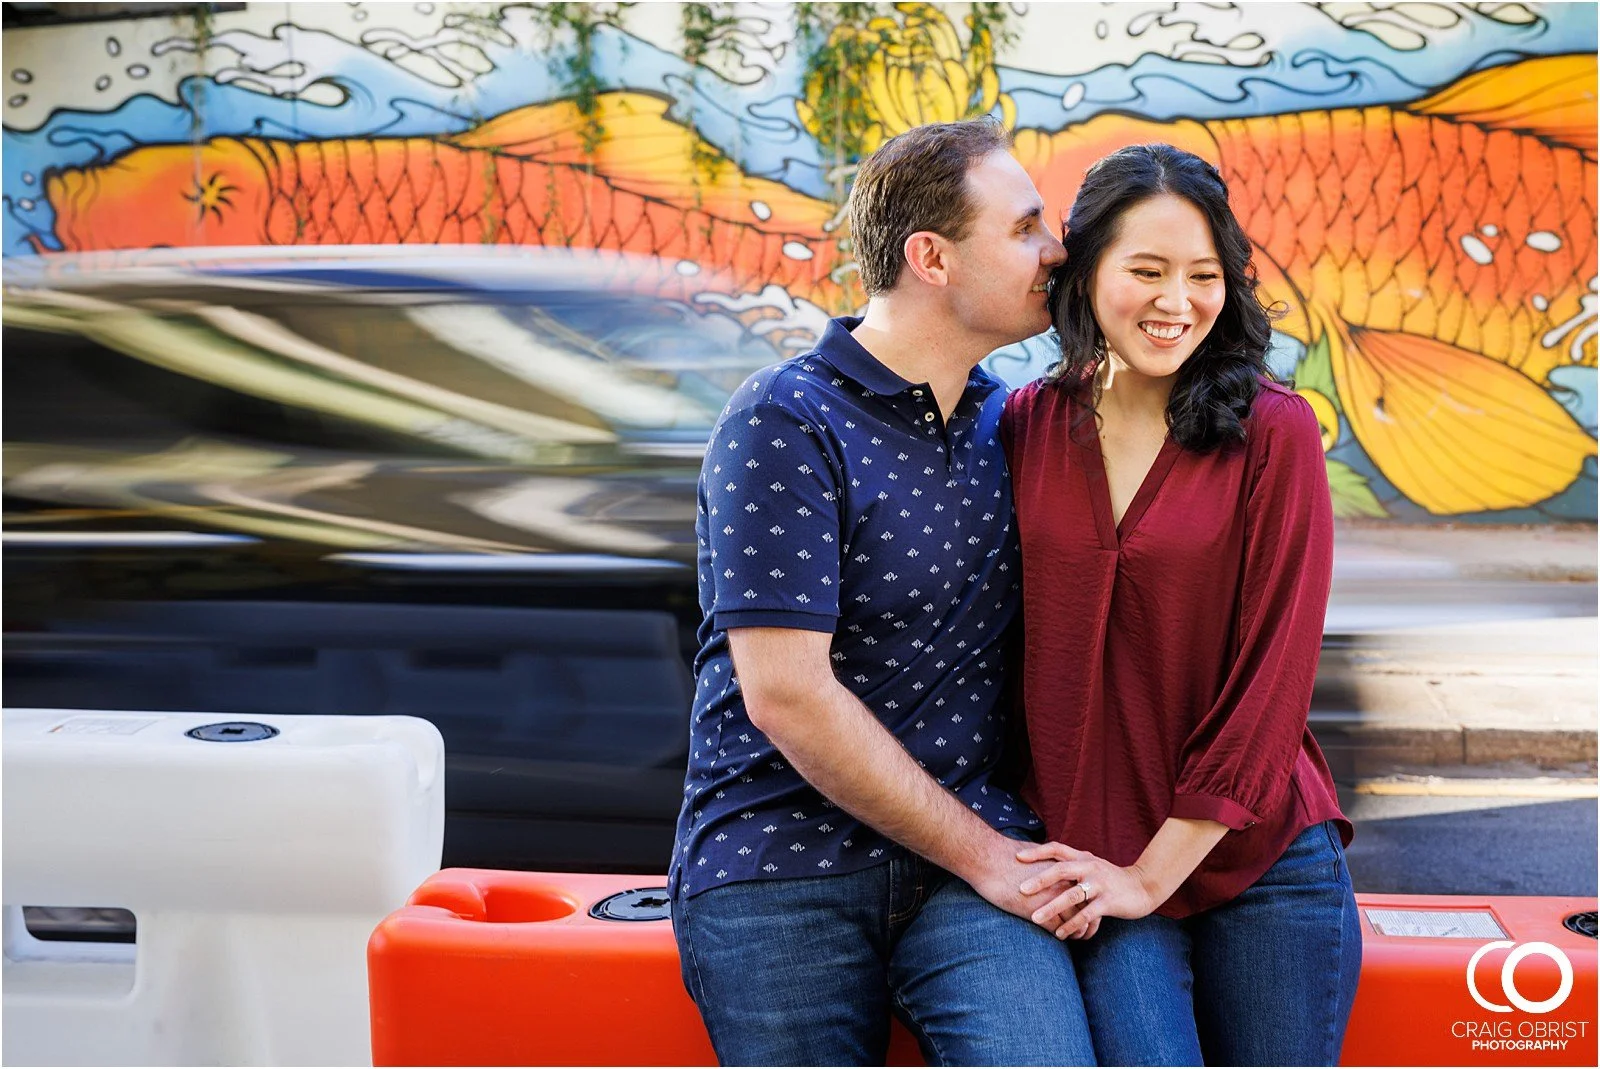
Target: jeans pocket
688	968
1341	870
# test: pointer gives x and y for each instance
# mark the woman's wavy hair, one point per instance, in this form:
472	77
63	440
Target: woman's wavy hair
1216	386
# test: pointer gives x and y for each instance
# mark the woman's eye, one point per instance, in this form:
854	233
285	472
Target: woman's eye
1145	272
1205	278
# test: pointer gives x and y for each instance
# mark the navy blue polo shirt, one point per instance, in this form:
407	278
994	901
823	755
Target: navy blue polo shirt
835	498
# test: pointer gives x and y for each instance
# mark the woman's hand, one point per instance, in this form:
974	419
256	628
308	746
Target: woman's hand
1099	889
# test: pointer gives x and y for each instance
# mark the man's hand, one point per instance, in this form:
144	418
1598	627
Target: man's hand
1094	888
1007	880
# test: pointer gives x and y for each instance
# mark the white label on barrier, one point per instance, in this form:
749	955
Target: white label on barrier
100	725
1436	924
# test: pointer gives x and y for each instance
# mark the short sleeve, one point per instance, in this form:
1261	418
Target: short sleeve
771	496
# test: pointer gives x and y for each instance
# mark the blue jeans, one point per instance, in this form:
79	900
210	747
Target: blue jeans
1265	979
807	972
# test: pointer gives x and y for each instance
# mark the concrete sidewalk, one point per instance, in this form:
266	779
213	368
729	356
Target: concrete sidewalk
1371	550
1449	646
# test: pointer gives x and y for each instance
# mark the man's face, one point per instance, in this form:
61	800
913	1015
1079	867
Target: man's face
999	270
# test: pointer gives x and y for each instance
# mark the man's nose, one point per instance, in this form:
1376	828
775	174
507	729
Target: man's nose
1055	253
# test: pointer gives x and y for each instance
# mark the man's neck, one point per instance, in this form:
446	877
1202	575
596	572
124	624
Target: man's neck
920	346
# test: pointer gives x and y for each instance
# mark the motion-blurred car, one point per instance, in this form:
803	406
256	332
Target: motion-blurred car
449	483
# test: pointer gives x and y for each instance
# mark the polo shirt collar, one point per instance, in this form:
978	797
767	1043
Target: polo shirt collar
848	356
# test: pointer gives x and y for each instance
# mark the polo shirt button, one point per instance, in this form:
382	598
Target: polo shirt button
916	393
927	417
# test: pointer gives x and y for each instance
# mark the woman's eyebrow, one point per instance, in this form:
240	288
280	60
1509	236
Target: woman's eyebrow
1162	259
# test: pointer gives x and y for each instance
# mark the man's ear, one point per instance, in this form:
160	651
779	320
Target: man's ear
925	254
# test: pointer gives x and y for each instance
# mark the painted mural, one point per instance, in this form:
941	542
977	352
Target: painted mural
1419	179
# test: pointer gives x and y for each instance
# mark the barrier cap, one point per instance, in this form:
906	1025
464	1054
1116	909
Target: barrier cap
641	904
233	731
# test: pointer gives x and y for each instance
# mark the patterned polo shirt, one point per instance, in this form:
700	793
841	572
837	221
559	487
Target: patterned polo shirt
834	497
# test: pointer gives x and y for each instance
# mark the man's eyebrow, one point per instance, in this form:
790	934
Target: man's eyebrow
1035	212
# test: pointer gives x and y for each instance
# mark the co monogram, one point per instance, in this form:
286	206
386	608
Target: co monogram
1508	976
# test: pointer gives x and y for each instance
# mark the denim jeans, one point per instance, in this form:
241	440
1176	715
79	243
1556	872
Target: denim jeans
807	971
1265	979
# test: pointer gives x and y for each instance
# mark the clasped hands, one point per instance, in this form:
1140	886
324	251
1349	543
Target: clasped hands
1069	891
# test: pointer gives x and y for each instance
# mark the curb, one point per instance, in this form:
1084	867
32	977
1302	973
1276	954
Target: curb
1358	750
1479	694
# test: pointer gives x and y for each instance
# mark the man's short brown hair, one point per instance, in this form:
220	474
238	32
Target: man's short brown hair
916	181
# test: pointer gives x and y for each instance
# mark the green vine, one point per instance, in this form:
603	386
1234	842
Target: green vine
840	41
993	21
831	57
575	65
205	30
704	27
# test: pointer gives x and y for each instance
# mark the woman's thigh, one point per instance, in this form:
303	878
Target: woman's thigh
1276	968
1137	989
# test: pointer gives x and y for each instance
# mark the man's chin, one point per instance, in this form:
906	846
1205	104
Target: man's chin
1031	329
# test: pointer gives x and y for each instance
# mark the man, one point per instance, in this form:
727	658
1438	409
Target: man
842	853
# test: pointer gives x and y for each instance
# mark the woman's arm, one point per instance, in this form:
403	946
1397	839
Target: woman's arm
1101	889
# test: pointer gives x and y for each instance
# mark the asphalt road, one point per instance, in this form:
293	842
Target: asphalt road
1490	842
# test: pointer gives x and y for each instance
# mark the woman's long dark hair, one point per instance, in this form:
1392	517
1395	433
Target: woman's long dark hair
1217	385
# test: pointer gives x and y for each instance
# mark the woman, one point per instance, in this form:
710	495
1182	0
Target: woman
1177	543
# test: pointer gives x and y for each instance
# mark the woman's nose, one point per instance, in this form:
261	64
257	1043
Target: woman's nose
1174	297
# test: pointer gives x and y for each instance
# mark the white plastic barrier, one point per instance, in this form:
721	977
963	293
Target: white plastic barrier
255	871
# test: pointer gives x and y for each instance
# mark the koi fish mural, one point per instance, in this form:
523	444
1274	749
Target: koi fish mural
1423	208
1433	253
522	178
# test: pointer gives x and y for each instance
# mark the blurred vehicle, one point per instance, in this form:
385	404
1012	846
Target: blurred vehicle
451	483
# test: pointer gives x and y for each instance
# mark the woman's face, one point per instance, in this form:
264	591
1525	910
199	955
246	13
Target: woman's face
1158	288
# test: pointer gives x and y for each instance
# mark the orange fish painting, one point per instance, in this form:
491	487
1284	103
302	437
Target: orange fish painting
522	178
1444	253
1438	258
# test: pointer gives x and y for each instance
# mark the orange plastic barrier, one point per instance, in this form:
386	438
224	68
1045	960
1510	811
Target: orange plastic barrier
511	968
1414	1005
520	968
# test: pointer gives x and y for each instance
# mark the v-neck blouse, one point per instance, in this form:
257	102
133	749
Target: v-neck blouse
1169	659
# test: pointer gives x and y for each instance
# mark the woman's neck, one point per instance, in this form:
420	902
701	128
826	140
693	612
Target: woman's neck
1123	393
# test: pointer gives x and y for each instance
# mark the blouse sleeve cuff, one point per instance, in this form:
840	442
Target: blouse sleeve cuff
1210	807
804	621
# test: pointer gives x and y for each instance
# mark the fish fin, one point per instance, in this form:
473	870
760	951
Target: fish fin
1453	430
1278	294
646	153
1548	97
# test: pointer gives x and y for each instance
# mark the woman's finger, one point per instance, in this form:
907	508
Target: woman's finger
1048	852
1057	873
1088	931
1059	909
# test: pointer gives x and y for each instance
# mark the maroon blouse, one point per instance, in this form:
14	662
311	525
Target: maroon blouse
1169	659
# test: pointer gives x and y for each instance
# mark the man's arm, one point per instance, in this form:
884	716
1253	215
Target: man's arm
835	742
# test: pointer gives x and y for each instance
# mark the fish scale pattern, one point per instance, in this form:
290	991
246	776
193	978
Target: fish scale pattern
423	191
1421	225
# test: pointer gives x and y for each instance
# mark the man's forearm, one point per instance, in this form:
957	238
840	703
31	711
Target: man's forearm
846	753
